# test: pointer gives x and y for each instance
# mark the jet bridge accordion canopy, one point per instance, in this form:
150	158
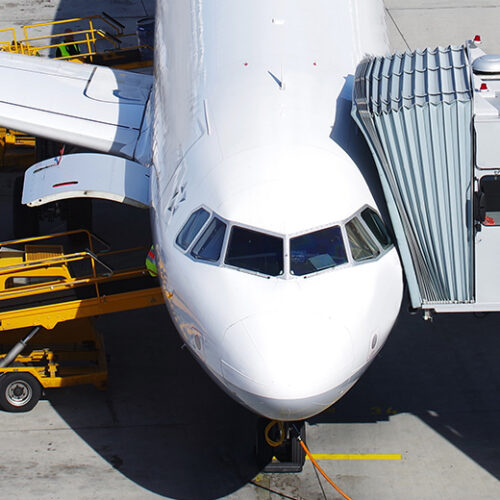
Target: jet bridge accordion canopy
415	110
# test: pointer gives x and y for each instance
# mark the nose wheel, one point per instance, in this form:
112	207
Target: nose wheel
277	446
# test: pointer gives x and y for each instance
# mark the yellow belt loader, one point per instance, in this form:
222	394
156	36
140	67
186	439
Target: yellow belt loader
48	297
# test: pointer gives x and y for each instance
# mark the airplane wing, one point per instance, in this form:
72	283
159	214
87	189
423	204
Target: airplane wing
90	106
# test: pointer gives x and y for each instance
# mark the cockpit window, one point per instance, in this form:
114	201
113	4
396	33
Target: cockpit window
316	251
377	227
362	246
192	227
209	244
255	251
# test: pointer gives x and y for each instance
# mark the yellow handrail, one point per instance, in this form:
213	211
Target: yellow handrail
58	265
91	34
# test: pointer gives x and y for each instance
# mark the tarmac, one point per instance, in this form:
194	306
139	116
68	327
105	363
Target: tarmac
422	423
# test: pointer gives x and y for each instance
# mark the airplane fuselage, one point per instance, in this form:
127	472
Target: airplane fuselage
251	128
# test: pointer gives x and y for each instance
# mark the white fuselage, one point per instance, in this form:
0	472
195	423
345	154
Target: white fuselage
249	101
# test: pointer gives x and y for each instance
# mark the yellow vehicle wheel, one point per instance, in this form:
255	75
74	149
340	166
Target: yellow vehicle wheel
19	392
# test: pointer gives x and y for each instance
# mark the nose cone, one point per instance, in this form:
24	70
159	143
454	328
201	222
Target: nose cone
287	366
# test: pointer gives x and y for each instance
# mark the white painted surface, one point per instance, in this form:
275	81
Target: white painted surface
246	123
89	106
90	175
246	99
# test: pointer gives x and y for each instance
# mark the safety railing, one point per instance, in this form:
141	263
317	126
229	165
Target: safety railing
96	28
78	39
7	38
57	267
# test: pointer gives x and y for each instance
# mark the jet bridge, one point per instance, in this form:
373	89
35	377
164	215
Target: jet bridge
432	121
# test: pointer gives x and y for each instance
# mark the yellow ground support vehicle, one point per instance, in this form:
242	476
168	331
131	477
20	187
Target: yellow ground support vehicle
99	39
48	297
50	287
16	149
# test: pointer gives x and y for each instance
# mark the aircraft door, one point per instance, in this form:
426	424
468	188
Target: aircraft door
487	240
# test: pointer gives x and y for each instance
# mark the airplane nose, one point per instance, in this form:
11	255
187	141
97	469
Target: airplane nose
287	366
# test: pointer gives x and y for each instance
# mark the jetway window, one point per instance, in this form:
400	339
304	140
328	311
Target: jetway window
377	227
192	228
362	246
255	251
490	200
209	245
316	251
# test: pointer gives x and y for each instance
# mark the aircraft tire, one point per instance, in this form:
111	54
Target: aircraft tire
19	392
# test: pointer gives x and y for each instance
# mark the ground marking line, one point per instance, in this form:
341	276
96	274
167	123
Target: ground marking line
357	456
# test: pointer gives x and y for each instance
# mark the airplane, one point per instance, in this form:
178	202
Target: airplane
277	268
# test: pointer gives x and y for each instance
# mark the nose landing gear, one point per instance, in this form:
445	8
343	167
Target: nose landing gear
277	447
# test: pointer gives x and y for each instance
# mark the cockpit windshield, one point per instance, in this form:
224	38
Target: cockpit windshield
377	227
316	251
209	244
362	245
192	228
359	239
255	251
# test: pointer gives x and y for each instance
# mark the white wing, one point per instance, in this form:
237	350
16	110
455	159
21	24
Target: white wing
89	106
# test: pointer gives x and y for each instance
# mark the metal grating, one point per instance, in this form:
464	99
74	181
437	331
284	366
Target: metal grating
415	110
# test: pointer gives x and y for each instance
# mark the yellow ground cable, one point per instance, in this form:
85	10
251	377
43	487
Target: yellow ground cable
268	428
323	473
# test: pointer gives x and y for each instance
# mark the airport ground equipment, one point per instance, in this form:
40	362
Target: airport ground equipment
278	448
16	149
100	39
432	121
47	299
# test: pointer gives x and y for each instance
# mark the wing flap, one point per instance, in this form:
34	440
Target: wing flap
89	106
92	175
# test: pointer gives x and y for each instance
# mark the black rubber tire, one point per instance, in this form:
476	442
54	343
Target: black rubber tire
24	219
19	392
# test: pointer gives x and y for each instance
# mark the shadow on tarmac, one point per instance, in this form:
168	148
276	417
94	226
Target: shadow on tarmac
162	423
446	373
166	426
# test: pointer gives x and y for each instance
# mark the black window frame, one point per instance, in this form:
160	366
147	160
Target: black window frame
488	199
